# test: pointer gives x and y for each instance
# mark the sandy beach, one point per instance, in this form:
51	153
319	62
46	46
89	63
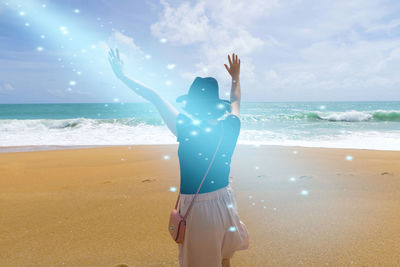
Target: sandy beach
106	206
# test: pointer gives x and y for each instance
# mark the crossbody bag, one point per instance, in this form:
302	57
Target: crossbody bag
177	223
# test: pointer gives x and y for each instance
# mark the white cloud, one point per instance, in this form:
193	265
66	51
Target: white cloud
295	49
219	28
125	44
6	87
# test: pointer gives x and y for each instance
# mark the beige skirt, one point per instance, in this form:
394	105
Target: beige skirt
214	230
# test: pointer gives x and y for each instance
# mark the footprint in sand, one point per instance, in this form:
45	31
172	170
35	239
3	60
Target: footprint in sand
148	180
387	173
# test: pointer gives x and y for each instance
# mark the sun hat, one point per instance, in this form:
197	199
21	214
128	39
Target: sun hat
204	92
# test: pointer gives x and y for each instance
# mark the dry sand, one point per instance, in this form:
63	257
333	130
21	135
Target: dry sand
88	207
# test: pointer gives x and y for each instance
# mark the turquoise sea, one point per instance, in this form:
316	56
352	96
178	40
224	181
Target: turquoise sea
366	125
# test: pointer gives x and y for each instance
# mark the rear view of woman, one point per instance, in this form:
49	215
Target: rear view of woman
214	230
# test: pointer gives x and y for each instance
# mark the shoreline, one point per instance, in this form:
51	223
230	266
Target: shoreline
34	148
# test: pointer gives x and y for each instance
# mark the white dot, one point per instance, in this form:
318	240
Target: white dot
44	6
206	158
172	189
180	121
39	48
199	154
254	203
234	81
77	11
64	30
212	182
72	83
166	157
27	24
295	152
250	197
186	139
221	106
322	107
116	99
304	192
226	163
203	89
171	66
196	122
348	157
274	209
257	167
292	179
42	36
147	56
230	206
122	159
208	129
69	89
223	155
194	133
22	13
265	207
163	40
232	229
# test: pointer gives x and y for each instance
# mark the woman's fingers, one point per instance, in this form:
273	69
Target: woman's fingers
227	68
230	62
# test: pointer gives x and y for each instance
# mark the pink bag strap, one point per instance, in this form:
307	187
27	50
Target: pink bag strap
190	207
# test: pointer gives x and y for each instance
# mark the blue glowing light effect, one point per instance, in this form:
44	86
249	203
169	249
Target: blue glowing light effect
232	229
172	189
348	157
304	192
166	157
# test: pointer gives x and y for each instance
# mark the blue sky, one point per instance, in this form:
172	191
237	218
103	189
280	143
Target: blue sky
56	51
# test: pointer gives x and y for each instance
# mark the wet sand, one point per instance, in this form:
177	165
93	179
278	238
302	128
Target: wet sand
104	206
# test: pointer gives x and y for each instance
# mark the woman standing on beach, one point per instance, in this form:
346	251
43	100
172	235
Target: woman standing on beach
214	230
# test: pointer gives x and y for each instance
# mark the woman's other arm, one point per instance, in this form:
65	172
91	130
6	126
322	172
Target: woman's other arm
234	71
168	112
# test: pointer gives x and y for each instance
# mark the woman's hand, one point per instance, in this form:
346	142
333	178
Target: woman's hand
116	63
234	67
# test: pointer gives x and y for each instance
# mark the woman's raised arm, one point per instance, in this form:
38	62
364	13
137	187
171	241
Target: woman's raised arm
234	71
168	112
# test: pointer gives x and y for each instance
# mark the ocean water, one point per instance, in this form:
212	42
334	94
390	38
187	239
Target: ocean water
364	125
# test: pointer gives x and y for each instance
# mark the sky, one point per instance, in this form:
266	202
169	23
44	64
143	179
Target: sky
56	51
